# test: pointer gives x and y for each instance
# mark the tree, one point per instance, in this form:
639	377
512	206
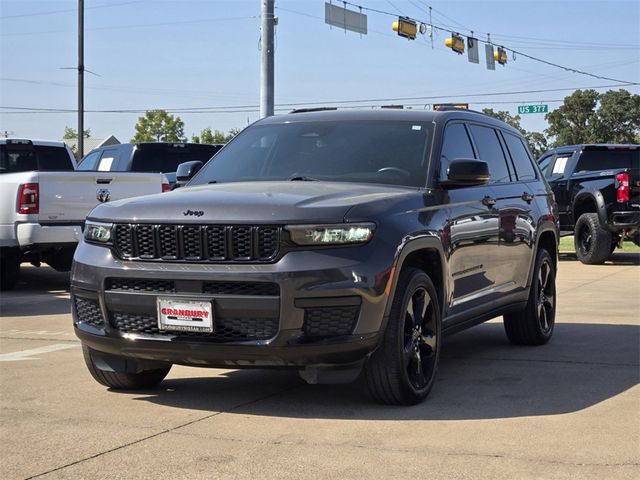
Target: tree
587	116
159	126
71	133
215	136
536	140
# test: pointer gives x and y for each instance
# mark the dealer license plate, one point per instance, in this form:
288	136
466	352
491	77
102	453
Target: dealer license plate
185	315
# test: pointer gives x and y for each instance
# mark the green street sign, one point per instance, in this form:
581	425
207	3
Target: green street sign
533	109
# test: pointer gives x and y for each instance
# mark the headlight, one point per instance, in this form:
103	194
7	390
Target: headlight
98	232
340	234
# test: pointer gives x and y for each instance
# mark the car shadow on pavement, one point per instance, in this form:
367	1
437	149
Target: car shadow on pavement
34	283
616	258
481	376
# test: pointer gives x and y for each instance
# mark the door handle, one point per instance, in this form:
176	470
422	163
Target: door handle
103	181
488	201
527	197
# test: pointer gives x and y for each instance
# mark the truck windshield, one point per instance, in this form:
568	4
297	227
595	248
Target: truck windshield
24	158
387	152
593	160
165	158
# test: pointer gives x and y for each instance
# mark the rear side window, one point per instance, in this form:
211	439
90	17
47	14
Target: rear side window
166	158
520	156
490	151
90	162
456	144
24	158
593	160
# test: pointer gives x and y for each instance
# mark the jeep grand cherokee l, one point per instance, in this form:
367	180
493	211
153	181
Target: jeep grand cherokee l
334	243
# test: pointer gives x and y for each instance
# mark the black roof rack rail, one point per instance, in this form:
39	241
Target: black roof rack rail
452	108
316	109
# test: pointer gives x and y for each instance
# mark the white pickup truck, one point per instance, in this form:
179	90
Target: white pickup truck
44	202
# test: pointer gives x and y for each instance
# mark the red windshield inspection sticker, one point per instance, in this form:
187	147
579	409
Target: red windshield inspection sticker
187	315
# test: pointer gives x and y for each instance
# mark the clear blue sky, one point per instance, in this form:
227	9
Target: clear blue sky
183	54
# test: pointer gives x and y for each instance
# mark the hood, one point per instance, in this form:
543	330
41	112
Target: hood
251	202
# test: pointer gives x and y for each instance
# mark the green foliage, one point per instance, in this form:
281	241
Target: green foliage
536	140
587	116
159	126
215	136
71	133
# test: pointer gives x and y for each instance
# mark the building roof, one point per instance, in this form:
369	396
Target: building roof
91	143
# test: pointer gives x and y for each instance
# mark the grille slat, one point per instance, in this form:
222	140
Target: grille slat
226	329
199	243
211	288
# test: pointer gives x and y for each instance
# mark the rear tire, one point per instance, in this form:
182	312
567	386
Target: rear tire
592	242
403	368
123	381
534	325
9	267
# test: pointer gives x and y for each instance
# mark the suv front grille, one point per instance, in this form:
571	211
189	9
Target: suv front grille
203	243
330	321
226	329
213	288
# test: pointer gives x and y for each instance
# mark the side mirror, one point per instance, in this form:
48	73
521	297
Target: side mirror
464	172
186	171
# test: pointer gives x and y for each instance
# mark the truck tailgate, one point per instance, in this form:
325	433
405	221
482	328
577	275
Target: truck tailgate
67	197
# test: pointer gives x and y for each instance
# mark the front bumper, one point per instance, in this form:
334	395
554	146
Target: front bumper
309	286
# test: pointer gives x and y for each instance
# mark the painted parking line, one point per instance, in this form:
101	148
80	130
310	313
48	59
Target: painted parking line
32	352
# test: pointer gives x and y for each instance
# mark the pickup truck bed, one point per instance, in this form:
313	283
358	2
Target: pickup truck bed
42	212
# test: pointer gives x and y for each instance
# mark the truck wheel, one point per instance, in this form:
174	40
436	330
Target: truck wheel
124	381
403	368
592	242
9	267
534	325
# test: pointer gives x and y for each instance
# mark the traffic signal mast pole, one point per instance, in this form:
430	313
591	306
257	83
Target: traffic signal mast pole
267	59
80	78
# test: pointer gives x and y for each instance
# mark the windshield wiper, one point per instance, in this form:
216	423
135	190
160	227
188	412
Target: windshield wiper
302	178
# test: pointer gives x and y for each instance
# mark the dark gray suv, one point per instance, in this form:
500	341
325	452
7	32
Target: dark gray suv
334	243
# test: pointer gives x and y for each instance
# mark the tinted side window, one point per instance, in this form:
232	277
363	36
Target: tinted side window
545	165
520	156
90	161
456	144
490	151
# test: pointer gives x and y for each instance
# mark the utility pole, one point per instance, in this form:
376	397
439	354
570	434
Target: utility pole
81	78
267	63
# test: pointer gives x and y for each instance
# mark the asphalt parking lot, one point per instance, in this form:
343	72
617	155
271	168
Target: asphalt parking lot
570	409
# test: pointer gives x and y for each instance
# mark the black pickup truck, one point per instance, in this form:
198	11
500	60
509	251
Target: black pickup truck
597	188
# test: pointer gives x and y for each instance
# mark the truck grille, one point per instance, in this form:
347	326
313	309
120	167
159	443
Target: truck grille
226	329
203	243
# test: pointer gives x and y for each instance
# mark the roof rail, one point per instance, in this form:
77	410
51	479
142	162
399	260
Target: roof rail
452	108
316	109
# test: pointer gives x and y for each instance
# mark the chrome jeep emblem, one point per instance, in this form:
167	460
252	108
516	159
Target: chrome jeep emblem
103	195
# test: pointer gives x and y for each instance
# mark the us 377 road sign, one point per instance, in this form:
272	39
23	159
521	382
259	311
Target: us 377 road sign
533	109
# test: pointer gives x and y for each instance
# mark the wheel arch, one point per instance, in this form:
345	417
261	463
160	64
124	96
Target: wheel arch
589	201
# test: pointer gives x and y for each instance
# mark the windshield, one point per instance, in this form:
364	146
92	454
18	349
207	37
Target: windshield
25	158
388	152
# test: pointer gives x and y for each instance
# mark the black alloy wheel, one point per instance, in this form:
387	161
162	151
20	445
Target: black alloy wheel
420	338
546	303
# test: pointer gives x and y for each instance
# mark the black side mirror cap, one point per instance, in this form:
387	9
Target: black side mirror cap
187	170
467	172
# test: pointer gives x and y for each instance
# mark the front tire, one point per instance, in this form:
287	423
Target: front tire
534	325
144	379
592	242
403	369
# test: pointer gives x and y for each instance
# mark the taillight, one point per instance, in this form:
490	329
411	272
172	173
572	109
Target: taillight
166	187
28	198
622	184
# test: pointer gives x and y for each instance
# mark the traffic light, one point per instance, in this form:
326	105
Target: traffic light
500	56
455	43
406	28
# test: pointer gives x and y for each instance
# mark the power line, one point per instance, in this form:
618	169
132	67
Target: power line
52	12
513	51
